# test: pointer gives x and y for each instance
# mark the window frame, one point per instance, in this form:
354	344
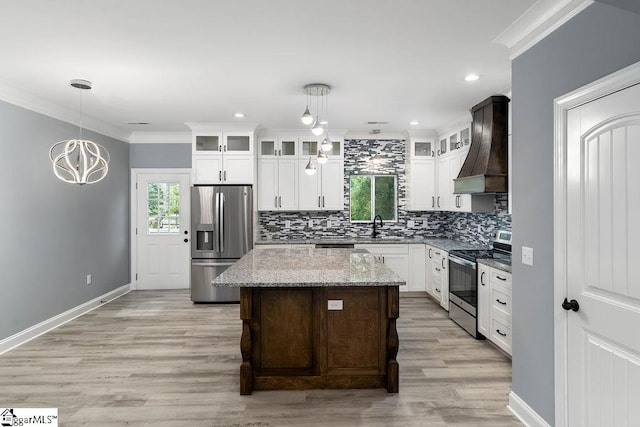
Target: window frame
373	201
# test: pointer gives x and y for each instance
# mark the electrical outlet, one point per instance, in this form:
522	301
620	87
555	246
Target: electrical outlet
411	223
88	279
328	223
527	256
310	223
287	224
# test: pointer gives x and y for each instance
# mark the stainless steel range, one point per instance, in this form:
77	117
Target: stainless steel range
463	280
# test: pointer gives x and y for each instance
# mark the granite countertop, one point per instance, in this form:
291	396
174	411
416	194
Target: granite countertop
307	267
440	243
495	263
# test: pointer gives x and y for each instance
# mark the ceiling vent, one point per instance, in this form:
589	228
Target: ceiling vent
377	123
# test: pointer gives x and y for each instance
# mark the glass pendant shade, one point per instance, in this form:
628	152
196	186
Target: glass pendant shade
322	158
307	118
79	162
317	129
311	168
326	145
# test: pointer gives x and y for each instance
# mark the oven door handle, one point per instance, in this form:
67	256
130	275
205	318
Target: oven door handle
462	261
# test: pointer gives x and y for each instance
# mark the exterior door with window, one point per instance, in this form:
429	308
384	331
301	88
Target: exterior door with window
602	267
163	231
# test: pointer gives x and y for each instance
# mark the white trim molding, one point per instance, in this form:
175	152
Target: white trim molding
540	20
617	81
524	412
30	102
149	137
35	331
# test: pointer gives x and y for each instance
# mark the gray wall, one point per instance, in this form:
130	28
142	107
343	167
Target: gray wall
54	233
160	155
597	42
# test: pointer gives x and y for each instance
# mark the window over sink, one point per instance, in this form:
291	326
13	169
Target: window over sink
372	195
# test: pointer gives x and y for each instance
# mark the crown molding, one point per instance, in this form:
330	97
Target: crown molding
540	20
30	102
220	127
159	137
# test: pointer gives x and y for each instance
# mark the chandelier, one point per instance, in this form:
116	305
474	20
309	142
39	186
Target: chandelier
317	125
79	161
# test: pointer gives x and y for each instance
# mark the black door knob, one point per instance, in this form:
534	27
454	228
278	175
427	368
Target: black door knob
570	305
186	232
186	240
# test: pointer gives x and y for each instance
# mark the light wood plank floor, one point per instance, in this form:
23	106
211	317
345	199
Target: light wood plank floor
154	358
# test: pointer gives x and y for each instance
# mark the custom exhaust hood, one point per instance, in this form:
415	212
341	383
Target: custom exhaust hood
485	169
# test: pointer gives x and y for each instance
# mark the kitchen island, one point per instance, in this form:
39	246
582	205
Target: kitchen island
316	318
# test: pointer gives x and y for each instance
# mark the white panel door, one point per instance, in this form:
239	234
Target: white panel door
162	223
332	185
603	261
267	184
287	184
308	188
444	185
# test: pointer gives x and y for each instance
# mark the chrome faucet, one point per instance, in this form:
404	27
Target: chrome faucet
375	231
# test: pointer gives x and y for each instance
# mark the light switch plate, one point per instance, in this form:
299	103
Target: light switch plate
310	223
334	304
328	223
411	223
527	256
287	224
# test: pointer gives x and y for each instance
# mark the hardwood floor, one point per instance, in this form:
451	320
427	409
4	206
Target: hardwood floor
154	358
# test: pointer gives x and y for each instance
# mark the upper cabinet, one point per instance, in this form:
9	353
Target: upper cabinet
421	167
284	185
222	156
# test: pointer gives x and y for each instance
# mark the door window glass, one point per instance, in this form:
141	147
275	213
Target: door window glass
163	207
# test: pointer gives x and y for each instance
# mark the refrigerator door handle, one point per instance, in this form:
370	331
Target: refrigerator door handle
211	264
216	241
221	223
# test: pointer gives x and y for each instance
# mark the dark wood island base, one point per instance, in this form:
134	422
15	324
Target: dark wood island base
298	338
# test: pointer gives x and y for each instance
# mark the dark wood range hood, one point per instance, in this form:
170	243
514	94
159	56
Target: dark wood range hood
485	169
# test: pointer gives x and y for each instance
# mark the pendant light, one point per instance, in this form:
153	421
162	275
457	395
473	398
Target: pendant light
322	158
311	168
319	90
326	144
78	161
307	118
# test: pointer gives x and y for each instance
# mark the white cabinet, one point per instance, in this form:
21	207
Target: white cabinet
494	306
438	275
421	175
277	174
220	157
417	269
484	308
323	190
395	256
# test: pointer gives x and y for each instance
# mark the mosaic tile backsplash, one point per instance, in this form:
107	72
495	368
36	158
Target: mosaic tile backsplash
468	227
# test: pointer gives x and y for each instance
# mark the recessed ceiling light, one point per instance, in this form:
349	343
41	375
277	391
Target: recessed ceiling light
239	115
324	122
414	122
472	77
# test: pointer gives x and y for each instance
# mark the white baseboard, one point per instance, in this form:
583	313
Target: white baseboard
524	412
43	327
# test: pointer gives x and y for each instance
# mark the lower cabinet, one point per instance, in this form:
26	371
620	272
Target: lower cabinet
437	264
395	256
494	306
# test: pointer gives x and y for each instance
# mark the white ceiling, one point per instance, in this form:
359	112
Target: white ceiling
175	61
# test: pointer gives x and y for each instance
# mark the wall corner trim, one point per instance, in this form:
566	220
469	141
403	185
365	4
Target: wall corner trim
524	412
43	327
540	20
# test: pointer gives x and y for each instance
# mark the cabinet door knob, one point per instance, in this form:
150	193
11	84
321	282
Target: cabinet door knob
186	240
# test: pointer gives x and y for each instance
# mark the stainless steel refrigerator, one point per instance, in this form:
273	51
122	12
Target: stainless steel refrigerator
221	233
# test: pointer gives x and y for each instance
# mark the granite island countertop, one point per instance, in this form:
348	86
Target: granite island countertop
440	243
307	267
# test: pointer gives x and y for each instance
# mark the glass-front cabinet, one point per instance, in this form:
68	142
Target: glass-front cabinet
221	157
